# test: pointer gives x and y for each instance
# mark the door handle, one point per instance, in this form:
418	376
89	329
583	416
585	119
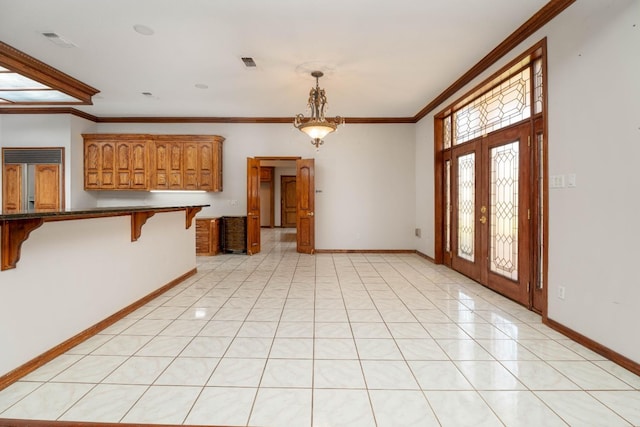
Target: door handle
483	219
309	213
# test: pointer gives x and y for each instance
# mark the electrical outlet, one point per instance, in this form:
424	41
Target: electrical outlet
561	292
418	232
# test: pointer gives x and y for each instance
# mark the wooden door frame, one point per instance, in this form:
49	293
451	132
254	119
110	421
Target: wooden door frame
539	125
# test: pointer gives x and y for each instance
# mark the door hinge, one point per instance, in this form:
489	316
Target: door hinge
529	141
528	286
529	214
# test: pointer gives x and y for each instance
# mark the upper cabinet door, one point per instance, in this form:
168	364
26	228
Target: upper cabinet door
123	165
205	166
139	165
107	160
190	162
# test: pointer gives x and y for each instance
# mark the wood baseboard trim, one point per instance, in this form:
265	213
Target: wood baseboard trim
365	251
615	357
425	256
13	376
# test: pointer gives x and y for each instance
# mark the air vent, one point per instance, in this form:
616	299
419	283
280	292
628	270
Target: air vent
34	156
58	40
249	62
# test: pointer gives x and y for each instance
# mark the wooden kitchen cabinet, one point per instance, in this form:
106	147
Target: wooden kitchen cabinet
153	162
116	162
187	162
132	165
207	236
166	158
99	164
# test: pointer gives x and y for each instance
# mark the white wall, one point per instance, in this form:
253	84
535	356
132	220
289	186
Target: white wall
594	132
364	178
73	274
425	207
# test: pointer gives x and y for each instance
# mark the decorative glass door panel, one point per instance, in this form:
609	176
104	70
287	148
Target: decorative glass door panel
463	181
503	205
506	186
466	206
489	193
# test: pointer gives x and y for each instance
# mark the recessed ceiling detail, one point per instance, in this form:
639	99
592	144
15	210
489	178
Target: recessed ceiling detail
58	40
143	29
248	61
26	81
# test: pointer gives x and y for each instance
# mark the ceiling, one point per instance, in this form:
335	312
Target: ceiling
380	58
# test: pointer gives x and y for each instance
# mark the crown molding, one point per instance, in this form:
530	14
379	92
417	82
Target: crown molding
19	62
549	11
48	110
533	24
249	120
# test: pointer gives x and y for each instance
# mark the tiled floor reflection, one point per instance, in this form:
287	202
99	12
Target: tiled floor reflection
283	339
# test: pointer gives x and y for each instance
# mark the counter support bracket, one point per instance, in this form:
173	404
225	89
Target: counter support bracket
191	213
138	219
14	234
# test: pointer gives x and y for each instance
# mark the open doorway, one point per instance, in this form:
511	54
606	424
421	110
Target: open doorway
263	176
277	203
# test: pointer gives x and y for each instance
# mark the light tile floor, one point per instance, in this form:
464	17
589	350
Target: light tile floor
283	339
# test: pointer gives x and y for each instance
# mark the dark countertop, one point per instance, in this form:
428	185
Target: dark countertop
91	212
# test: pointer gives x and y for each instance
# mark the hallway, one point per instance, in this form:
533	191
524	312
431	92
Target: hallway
284	339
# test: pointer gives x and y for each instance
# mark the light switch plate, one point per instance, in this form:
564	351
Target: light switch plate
571	180
556	181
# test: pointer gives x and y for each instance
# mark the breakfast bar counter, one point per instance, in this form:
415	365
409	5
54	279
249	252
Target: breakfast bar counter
16	226
68	274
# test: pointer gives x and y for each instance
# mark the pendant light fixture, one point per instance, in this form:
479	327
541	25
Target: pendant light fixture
317	126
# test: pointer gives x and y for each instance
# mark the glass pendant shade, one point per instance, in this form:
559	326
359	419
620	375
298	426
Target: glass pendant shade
317	129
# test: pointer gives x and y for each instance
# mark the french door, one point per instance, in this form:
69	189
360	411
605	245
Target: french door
304	210
488	210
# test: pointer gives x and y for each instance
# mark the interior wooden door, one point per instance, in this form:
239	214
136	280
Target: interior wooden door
12	188
305	188
288	203
47	187
253	206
